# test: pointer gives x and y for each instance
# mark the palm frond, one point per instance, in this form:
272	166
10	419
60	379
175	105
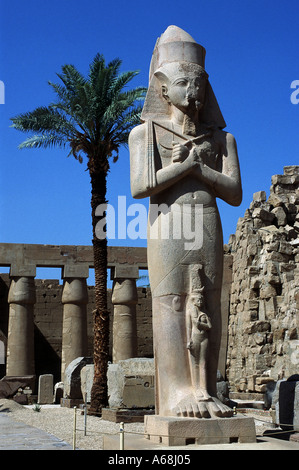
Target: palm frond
92	115
44	141
72	79
61	91
120	81
95	68
43	119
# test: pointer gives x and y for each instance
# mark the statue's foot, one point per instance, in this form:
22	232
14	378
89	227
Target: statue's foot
211	407
191	407
219	410
202	394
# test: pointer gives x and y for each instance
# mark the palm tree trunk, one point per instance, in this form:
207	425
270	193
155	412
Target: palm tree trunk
99	395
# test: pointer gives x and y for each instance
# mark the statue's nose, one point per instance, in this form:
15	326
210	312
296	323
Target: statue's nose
191	92
191	96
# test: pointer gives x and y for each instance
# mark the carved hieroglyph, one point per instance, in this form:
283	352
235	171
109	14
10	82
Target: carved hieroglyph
183	160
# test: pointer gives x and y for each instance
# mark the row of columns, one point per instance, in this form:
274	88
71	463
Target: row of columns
22	297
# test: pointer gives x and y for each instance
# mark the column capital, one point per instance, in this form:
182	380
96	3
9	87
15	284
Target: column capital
124	271
74	291
77	271
22	290
20	270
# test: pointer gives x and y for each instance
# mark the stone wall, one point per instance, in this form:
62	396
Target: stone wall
48	312
263	340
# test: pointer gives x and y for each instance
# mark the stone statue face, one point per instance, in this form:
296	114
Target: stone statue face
197	300
183	85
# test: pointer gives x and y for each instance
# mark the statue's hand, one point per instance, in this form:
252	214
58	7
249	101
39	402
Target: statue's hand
179	152
200	151
193	159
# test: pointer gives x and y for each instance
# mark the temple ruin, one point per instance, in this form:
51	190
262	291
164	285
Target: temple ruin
45	324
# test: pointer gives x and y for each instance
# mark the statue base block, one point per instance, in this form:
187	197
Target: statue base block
180	431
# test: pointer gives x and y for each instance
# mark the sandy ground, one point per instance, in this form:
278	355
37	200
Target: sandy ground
59	421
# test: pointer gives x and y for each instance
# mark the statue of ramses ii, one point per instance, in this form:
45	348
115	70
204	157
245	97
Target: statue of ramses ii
182	159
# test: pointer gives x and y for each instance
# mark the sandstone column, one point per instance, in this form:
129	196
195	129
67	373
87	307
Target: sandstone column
20	342
74	328
124	299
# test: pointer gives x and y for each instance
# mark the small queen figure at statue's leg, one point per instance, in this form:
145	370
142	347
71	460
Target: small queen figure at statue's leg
198	326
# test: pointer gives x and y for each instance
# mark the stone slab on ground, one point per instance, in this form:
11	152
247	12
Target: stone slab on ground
294	437
45	389
176	431
125	415
71	402
131	383
72	377
9	385
257	405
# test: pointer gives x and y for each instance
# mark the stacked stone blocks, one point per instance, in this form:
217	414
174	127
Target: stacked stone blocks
264	304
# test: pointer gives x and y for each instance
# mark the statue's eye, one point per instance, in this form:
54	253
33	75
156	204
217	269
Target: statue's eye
180	82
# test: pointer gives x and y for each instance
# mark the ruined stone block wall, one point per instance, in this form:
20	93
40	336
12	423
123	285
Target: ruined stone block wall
263	341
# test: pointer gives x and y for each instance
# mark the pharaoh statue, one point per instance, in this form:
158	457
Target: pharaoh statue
182	159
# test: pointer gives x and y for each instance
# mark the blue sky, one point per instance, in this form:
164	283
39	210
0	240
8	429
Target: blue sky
252	59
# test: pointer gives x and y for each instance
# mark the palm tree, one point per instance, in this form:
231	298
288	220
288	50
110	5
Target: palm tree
92	116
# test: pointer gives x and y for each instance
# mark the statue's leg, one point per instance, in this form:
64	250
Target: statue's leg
211	258
173	379
169	266
214	306
202	366
216	408
175	393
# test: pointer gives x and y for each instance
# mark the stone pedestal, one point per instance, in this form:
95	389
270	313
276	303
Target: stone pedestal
20	342
177	431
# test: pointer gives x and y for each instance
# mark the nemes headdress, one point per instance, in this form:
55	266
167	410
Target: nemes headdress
175	45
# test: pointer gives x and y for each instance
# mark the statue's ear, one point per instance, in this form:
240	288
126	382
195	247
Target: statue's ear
164	92
163	81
